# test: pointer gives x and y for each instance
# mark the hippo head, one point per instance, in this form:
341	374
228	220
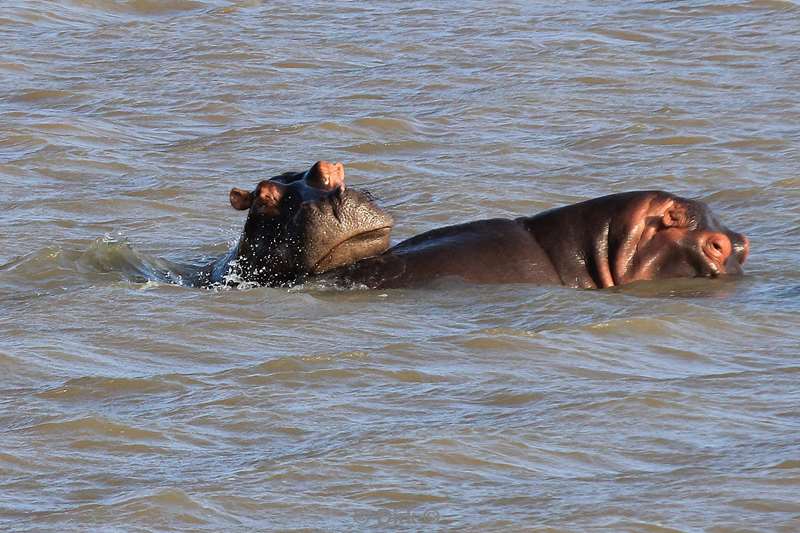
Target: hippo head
303	223
643	235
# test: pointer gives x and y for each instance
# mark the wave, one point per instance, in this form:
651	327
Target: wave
143	7
107	259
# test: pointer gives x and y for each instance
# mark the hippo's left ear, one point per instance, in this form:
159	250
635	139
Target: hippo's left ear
675	216
241	199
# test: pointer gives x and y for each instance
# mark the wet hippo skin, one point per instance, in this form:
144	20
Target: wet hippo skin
299	224
604	242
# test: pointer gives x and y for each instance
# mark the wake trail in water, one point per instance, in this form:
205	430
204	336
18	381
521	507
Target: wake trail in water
108	258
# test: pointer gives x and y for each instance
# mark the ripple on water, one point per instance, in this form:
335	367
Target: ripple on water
172	507
386	125
143	7
45	96
509	398
390	147
679	140
95	426
89	388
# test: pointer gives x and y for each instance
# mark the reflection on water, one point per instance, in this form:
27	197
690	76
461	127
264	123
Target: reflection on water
130	401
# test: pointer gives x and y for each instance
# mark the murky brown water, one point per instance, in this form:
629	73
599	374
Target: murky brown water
132	405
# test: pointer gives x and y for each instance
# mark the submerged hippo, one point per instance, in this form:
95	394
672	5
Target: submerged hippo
299	224
604	242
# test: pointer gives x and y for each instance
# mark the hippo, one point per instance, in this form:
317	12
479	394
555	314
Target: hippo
599	243
299	224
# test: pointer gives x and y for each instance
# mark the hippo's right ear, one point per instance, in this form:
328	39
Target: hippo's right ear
241	199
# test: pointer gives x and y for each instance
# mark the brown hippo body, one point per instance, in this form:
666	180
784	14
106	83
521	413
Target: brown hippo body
484	251
607	241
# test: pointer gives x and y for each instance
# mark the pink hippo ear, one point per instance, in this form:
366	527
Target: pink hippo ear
675	216
268	196
326	175
636	223
241	199
270	192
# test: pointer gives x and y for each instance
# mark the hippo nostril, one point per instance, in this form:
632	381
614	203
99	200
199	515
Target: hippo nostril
717	247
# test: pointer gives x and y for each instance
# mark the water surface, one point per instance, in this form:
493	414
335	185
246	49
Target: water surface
129	404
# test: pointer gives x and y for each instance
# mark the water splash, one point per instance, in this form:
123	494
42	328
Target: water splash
106	259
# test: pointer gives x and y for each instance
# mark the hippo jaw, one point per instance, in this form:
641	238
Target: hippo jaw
340	230
355	248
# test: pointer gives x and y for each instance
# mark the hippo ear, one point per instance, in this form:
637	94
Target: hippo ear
645	214
326	175
675	216
241	199
270	192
